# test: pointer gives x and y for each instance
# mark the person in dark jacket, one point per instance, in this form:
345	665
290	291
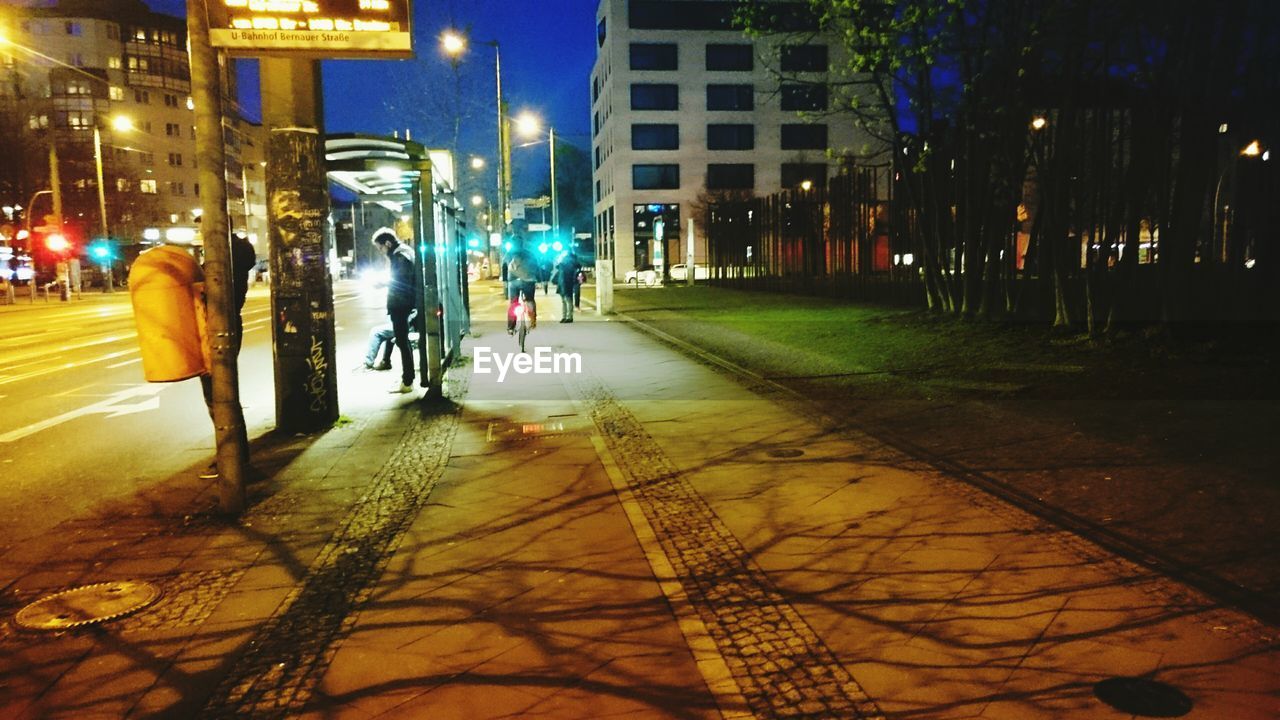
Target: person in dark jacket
243	258
566	278
400	302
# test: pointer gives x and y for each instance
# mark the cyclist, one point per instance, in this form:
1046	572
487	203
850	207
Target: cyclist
520	276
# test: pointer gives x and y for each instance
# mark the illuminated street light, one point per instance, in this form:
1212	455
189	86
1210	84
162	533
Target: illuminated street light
1038	123
1253	149
528	125
806	185
477	163
477	200
121	123
453	43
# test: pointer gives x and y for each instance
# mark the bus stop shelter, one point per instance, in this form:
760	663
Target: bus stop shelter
417	184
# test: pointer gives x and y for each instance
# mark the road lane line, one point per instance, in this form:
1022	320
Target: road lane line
122	364
40	352
65	366
103	406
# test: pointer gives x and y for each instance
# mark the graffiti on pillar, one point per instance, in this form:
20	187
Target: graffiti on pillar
298	206
316	386
299	232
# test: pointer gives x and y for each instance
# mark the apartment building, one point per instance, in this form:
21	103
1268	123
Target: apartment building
75	64
685	107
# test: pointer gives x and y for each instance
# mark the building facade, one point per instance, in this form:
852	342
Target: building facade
72	65
686	108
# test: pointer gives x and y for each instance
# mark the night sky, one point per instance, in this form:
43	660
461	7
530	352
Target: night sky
548	48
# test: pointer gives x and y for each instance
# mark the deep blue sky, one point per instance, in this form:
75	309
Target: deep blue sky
548	48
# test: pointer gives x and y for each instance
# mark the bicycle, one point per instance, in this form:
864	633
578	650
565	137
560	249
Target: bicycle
524	321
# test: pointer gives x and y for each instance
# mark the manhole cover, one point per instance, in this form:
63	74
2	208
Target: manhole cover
1142	697
87	605
785	453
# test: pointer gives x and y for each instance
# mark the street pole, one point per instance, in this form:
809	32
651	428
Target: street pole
108	284
555	206
55	184
31	210
224	334
303	339
504	146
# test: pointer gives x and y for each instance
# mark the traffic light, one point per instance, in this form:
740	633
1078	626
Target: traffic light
56	242
101	251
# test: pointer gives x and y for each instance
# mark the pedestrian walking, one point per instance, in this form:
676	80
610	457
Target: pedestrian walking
566	278
400	303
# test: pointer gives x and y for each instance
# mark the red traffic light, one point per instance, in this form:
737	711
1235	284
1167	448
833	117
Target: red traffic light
56	243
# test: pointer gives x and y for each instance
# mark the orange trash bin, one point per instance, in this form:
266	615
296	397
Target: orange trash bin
166	288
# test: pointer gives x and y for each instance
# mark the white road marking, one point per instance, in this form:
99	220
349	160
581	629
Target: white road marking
65	366
108	406
122	364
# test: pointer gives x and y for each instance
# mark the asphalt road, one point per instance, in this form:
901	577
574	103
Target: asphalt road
78	423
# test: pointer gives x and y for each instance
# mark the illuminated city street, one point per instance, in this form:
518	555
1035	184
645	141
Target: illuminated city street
643	359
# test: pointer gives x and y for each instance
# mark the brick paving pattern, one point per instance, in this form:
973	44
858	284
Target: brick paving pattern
782	667
288	655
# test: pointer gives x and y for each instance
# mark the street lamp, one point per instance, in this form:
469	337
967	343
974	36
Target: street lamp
1219	228
454	44
477	163
527	124
121	124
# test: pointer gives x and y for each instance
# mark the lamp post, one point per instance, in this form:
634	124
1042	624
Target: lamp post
120	123
1219	231
529	126
454	44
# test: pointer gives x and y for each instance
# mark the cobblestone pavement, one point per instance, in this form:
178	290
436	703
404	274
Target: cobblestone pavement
288	654
782	668
814	576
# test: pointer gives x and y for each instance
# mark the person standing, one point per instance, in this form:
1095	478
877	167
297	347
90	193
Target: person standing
243	258
400	303
566	277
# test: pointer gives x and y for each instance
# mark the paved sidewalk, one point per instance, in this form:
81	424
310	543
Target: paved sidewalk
647	539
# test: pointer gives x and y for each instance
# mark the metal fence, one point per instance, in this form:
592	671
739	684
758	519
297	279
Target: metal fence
831	240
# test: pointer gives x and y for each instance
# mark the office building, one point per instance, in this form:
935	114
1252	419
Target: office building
686	108
70	65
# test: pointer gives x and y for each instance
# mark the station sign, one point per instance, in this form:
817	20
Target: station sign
312	28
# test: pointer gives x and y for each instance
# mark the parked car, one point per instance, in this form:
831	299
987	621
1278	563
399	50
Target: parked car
681	272
646	276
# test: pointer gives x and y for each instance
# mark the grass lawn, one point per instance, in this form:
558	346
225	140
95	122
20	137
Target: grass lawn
1172	447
